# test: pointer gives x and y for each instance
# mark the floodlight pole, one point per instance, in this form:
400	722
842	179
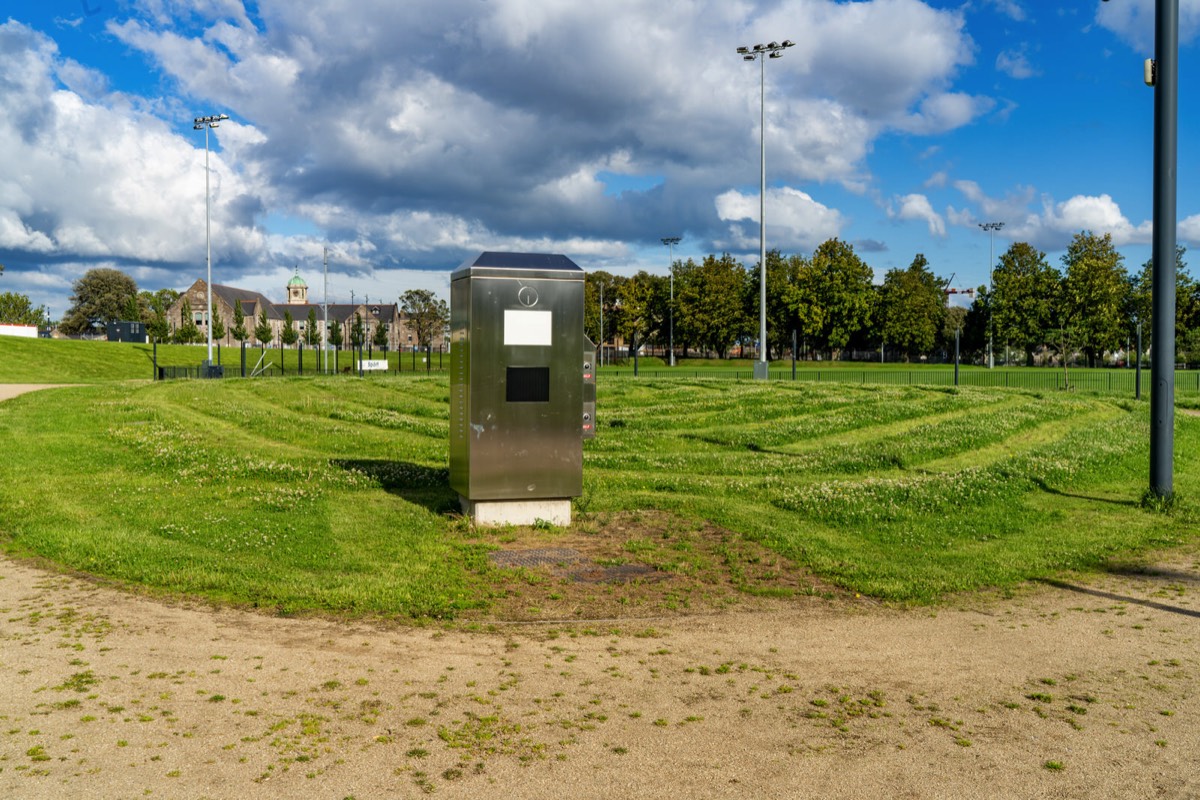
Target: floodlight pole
325	314
670	242
760	53
991	228
204	123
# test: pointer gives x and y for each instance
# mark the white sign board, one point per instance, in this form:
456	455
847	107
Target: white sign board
19	330
376	364
527	327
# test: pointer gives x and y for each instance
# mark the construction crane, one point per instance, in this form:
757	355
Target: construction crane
948	290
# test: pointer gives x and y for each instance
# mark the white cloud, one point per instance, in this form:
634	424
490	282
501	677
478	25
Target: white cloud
1010	8
410	133
1097	214
944	112
1133	21
1189	230
794	220
1015	64
917	207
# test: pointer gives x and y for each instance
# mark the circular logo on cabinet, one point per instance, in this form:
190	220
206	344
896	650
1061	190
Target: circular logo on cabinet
527	296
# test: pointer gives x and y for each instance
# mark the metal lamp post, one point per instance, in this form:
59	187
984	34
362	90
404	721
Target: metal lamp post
991	228
204	123
670	242
1162	73
760	53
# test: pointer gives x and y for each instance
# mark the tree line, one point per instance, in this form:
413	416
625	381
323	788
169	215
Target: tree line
831	304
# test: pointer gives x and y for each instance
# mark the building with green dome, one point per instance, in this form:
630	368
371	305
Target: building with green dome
297	290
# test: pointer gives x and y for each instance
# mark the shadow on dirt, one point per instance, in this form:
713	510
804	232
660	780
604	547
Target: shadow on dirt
1120	598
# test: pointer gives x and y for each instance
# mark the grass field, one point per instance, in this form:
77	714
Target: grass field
330	493
69	361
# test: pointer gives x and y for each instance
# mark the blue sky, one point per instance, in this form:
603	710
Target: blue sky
408	136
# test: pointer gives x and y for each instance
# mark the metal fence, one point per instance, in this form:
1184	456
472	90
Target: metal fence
1112	381
255	362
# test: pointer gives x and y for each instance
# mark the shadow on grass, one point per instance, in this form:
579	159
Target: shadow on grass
1156	574
1048	489
1120	598
421	485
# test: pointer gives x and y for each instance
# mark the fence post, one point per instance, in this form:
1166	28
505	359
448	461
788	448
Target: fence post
243	359
155	375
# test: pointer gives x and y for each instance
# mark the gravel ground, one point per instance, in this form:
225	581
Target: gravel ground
1074	688
1065	690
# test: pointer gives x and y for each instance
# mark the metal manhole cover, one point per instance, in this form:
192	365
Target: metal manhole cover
537	557
621	573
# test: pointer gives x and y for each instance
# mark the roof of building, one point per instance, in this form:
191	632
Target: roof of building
231	295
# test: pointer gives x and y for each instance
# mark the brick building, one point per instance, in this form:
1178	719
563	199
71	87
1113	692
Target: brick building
224	298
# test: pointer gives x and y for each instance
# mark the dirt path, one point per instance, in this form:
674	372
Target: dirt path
11	390
1066	690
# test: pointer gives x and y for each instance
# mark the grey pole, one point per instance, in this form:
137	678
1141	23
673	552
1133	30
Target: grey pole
1137	386
670	242
991	228
1163	75
204	123
957	332
602	339
325	313
1162	333
760	53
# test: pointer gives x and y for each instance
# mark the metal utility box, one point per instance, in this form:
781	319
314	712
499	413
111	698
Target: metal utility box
517	396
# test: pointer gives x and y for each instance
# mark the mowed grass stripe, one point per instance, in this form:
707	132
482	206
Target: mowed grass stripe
1021	441
254	492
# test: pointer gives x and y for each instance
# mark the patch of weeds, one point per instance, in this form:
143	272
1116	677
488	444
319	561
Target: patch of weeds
1054	766
79	682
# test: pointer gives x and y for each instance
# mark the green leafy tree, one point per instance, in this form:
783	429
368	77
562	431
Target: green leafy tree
239	322
1187	298
912	307
637	310
357	334
18	309
380	339
426	313
1094	295
312	333
218	325
597	285
335	333
711	303
262	331
157	305
781	317
1025	290
289	335
833	298
133	309
187	332
101	296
